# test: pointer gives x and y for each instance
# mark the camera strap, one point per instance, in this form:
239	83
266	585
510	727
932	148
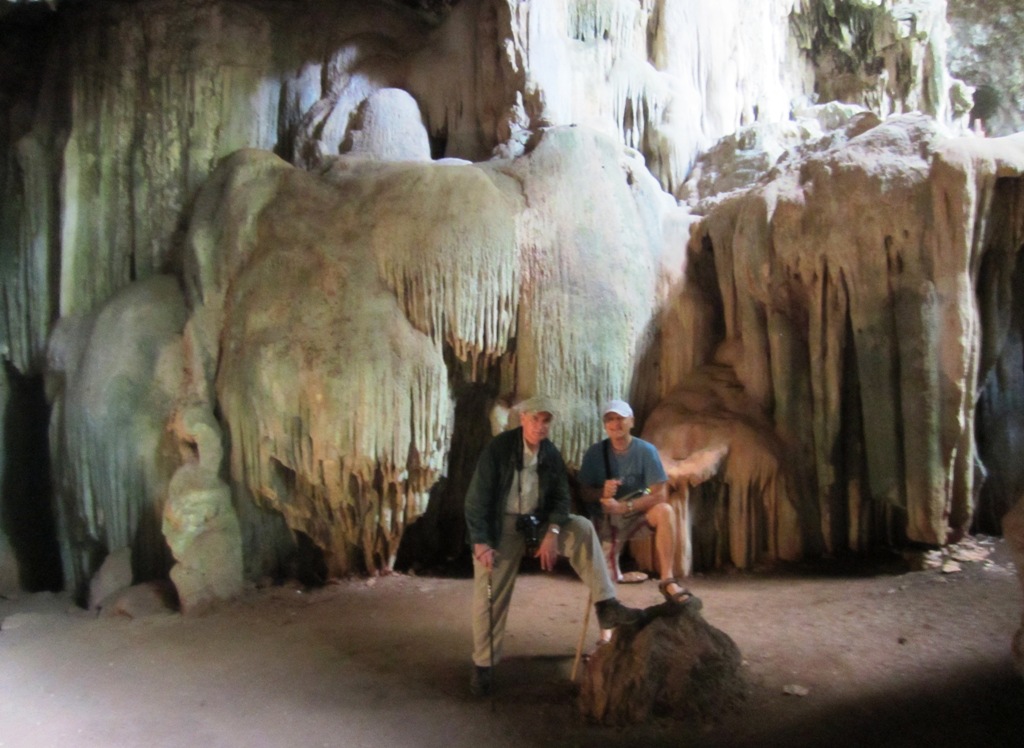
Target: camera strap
606	449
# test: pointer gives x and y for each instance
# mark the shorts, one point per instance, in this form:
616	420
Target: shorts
620	528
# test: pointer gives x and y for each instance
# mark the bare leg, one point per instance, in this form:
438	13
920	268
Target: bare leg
663	520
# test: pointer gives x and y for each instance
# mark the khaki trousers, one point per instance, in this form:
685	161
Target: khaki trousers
577	541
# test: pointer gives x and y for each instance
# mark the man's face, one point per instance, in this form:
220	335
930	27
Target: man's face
616	425
535	428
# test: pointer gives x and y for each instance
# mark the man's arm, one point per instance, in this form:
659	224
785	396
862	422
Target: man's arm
480	497
593	484
558	501
657	480
658	495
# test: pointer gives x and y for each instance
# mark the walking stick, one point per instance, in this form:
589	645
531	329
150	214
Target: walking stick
490	630
583	635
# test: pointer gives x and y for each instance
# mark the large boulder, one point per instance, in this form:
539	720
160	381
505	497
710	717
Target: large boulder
675	665
114	575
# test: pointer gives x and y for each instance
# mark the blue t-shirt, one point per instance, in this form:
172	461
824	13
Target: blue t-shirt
640	467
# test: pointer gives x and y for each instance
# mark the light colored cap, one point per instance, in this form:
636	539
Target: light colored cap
537	404
617	406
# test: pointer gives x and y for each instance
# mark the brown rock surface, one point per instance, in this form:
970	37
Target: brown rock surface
675	664
1013	529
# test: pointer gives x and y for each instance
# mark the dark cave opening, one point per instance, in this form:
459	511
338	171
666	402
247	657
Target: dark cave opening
436	541
999	405
27	511
999	413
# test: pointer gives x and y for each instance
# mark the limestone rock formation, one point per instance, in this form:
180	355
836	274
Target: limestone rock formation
731	473
114	575
984	53
847	306
676	665
385	216
140	600
336	298
390	126
199	521
889	57
114	377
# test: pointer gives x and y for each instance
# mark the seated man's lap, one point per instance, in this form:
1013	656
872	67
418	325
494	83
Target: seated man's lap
622	528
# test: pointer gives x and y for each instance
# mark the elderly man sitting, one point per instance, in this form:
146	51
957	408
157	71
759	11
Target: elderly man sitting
518	502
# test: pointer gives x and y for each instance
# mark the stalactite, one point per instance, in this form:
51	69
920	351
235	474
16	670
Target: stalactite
463	293
386	270
592	266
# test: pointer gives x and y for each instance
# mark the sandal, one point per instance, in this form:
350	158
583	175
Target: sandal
682	597
633	577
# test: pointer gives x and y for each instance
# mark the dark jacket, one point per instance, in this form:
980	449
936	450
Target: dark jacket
492	479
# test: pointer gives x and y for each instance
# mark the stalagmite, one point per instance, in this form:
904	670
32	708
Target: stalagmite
115	376
199	521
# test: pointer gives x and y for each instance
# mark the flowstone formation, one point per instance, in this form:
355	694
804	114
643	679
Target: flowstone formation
114	377
343	303
850	305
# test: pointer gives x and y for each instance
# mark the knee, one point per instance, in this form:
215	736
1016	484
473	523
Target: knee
577	524
579	528
661	515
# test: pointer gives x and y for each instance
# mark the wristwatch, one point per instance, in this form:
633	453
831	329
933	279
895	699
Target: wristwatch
629	505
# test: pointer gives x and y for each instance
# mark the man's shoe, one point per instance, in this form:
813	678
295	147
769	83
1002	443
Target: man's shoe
480	683
612	613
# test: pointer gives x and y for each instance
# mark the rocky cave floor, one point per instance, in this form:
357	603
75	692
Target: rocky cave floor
884	656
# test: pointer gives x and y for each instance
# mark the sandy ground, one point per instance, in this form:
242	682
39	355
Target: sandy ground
888	659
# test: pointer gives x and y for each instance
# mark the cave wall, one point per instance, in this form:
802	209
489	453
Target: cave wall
377	217
983	52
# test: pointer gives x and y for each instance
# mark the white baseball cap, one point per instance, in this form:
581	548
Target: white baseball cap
620	407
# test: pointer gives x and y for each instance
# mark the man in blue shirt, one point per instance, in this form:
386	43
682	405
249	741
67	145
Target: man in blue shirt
624	483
